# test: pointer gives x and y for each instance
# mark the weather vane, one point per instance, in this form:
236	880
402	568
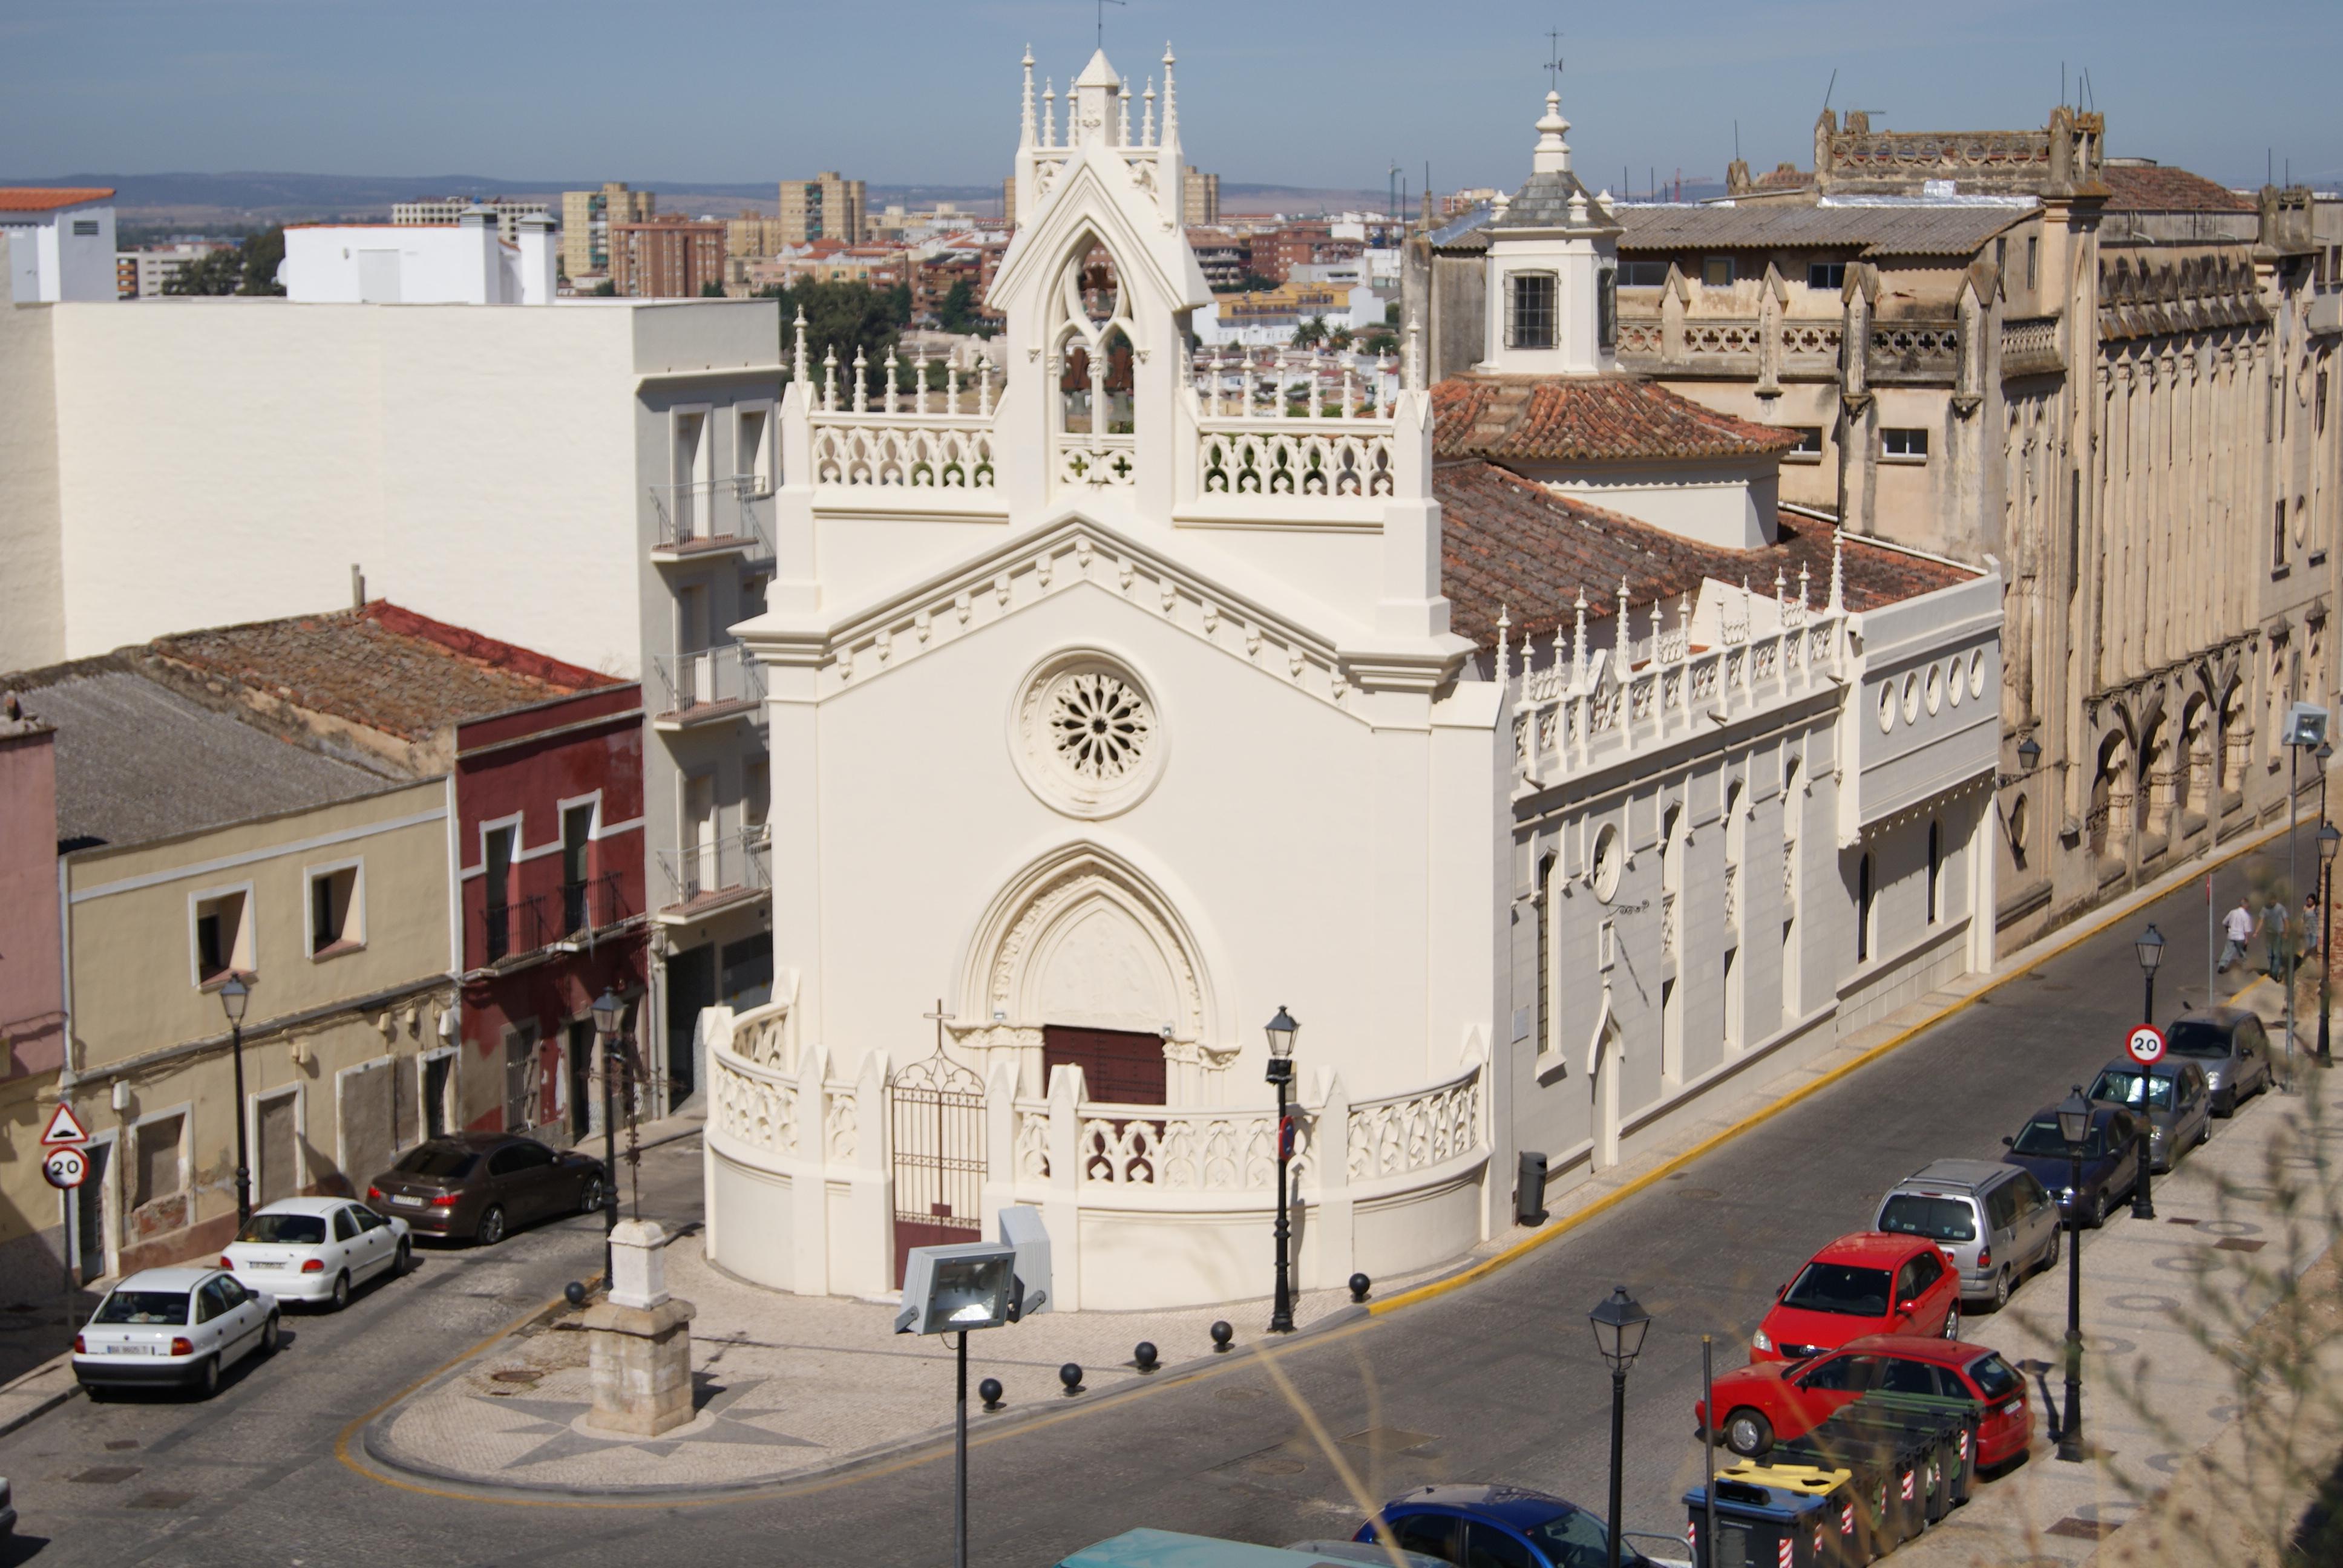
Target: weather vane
1101	6
1553	67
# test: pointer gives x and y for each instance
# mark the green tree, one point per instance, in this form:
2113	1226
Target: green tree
605	289
899	305
841	317
1379	340
1310	333
1340	339
262	254
249	268
958	312
712	289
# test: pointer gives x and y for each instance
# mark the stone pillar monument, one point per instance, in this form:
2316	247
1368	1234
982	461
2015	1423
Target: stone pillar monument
640	1340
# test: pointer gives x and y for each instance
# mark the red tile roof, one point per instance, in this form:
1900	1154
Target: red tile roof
1587	420
49	199
1509	544
383	666
2149	187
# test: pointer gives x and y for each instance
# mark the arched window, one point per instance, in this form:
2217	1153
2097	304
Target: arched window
1545	1040
1863	911
1092	346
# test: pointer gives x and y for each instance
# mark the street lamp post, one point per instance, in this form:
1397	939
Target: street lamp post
1619	1327
2150	949
1282	1030
2074	1127
607	1010
233	995
2327	840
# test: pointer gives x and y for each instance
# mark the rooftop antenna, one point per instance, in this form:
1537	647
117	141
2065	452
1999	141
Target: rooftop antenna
1554	64
1101	6
1830	89
2090	96
2061	81
1736	141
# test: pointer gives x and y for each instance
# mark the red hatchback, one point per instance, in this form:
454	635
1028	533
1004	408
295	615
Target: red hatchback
1871	1282
1775	1402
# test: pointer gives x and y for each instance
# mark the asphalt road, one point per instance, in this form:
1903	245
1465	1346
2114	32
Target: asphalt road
1498	1381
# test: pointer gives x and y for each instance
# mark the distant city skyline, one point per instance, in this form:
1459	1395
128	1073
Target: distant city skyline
1302	96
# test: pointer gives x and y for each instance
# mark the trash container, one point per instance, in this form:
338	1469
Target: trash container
1758	1526
1842	1542
1889	1467
1943	1429
1965	1415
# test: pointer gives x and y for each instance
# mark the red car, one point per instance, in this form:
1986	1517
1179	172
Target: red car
1871	1282
1764	1403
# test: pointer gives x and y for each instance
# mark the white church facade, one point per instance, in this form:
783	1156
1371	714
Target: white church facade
1110	712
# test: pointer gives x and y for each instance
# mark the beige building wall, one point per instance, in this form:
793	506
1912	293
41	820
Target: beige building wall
1199	197
32	584
332	1042
823	208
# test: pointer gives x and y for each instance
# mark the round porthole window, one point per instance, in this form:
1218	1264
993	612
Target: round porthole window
1952	680
1887	707
1086	734
1607	859
1976	673
1936	689
1911	697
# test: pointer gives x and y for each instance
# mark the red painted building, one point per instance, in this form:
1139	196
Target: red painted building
549	848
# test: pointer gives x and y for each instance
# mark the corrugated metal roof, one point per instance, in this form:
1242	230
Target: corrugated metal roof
1869	229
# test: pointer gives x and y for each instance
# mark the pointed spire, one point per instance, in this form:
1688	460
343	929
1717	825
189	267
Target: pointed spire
1171	101
1411	357
1551	154
1626	633
1504	655
1578	642
984	381
891	365
1659	623
798	359
1025	126
830	378
1684	621
1781	591
920	379
1838	570
862	383
1049	112
1123	114
1801	588
1147	121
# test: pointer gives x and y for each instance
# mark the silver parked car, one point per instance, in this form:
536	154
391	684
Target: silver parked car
2230	1044
2179	1103
1993	1222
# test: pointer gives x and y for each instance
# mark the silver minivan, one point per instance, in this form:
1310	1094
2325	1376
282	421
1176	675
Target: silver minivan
1995	1222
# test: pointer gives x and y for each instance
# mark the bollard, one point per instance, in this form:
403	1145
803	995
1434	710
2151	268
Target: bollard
1143	1355
1221	1335
574	1293
1071	1374
989	1390
1360	1286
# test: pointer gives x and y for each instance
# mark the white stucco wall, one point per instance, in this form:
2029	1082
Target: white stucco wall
32	585
49	259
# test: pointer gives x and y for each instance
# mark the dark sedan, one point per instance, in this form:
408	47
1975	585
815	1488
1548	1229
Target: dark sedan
483	1184
2231	1047
1476	1526
2110	1159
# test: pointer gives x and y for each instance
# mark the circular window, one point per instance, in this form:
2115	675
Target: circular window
1976	673
1936	689
2021	820
1607	864
1887	707
1911	697
1953	688
1087	735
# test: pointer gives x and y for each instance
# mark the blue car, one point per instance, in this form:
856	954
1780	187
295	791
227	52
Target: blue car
2110	1160
1499	1527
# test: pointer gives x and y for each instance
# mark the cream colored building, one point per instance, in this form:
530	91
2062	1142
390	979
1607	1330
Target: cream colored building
447	209
826	206
586	220
198	847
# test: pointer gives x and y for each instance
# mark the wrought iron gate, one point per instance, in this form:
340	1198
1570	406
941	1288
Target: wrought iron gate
937	1107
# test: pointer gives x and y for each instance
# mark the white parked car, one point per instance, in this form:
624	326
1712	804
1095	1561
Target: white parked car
181	1325
316	1249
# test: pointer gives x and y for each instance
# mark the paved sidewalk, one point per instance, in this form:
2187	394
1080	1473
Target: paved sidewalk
2167	1307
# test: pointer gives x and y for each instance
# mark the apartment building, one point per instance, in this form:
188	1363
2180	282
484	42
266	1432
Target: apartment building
754	236
589	478
586	220
443	210
141	274
826	206
668	257
1199	197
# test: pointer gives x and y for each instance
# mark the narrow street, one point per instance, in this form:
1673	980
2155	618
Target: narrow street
1498	1381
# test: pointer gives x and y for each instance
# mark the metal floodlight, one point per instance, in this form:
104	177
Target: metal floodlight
1619	1327
2305	725
2327	839
2151	948
2075	1118
607	1007
234	994
1023	1231
951	1289
2029	753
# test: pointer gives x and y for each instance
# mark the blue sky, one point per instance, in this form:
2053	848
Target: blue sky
1302	94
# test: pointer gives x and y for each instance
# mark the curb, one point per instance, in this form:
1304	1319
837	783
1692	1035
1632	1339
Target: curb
72	1388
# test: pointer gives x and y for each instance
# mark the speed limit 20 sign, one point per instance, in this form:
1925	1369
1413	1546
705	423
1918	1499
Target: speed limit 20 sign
2145	1045
65	1168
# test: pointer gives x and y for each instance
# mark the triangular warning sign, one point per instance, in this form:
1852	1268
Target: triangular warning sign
64	1127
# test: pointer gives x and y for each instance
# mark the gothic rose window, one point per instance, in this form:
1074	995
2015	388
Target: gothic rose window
1086	734
1099	724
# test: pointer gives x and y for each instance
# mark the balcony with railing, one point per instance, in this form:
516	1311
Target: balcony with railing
564	920
712	517
907	440
716	873
710	685
1280	434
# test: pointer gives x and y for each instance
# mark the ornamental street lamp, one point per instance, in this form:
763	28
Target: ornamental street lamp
2074	1127
1282	1030
233	995
1619	1327
2150	949
607	1010
2327	840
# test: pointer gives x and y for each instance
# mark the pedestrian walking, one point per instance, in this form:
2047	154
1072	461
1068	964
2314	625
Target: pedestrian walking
2238	925
2309	925
2274	925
